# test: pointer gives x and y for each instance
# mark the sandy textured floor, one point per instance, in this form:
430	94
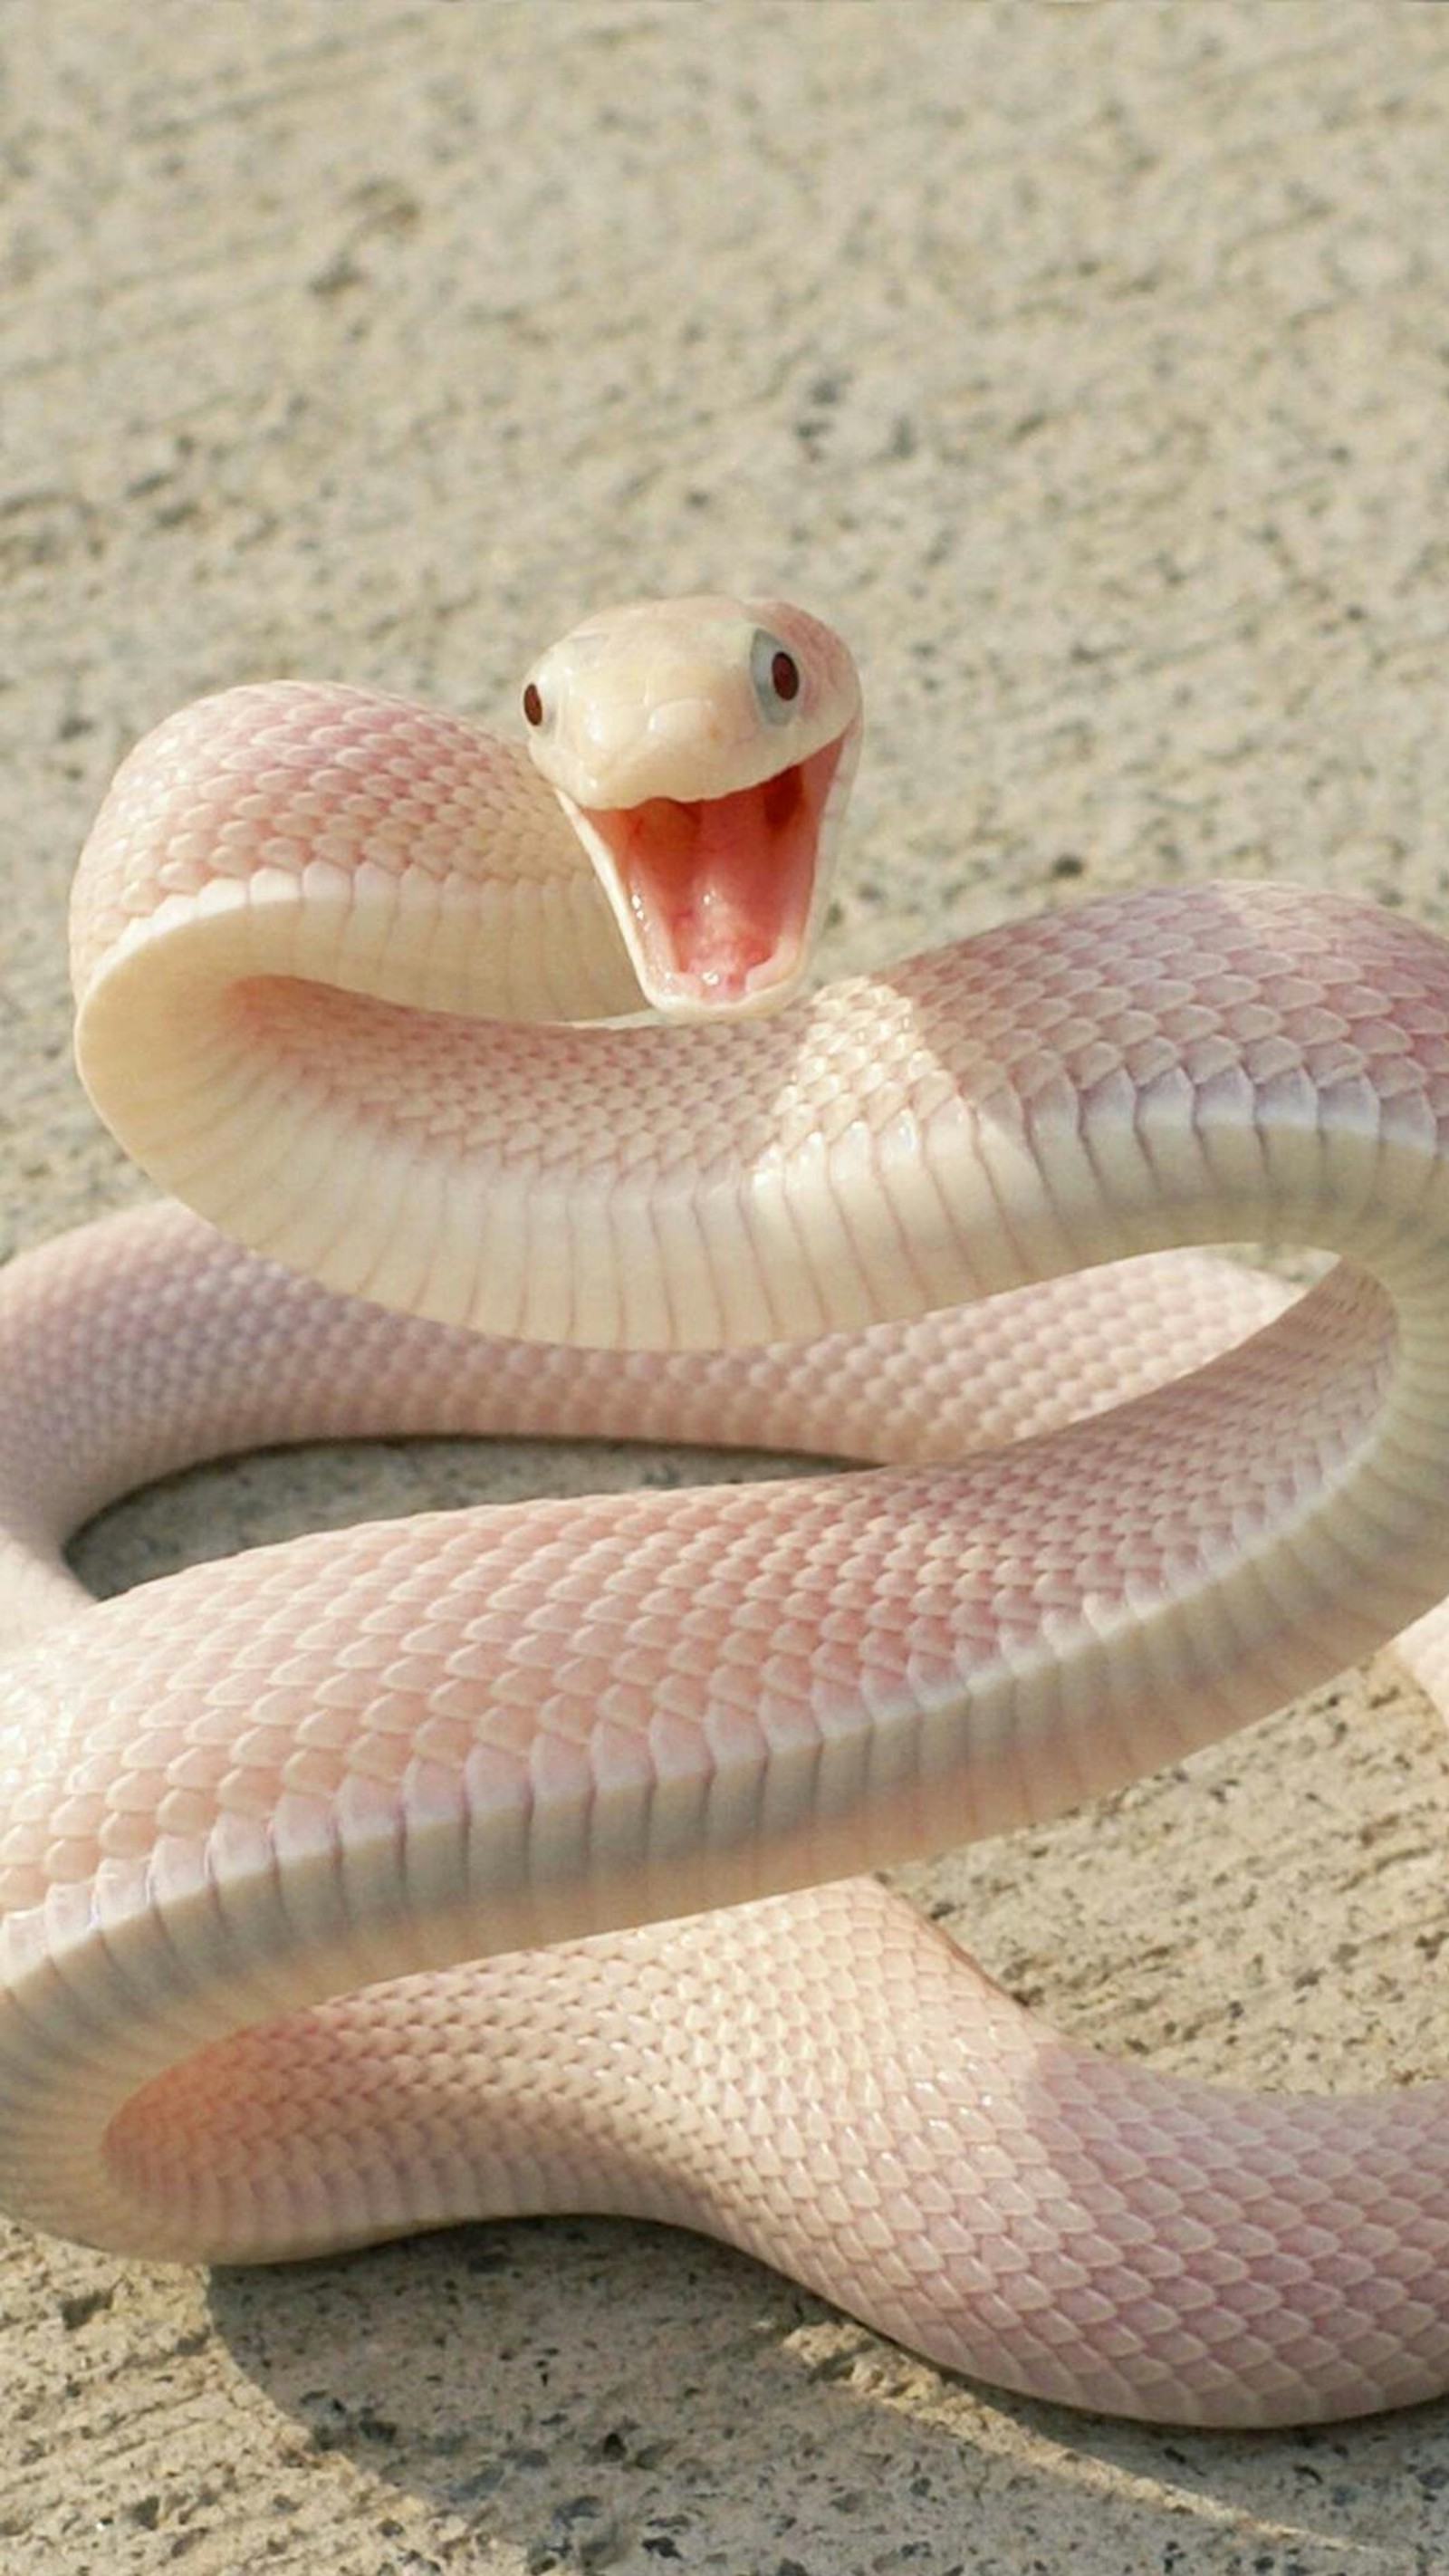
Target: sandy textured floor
1092	366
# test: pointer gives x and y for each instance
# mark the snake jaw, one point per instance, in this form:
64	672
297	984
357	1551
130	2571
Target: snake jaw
718	897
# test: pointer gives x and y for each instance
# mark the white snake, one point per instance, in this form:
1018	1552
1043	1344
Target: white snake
261	1822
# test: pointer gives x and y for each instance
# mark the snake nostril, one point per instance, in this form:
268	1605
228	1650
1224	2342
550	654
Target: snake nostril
532	704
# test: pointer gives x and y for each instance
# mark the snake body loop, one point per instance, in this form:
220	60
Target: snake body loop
341	1885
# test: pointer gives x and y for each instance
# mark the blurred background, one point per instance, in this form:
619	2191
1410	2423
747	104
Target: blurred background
1089	365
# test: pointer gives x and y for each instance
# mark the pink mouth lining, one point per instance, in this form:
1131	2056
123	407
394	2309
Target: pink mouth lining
720	887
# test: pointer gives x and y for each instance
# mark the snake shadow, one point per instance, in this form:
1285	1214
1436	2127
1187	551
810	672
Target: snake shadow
598	2394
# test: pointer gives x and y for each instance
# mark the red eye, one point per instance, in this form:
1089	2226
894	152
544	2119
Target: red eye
532	704
776	675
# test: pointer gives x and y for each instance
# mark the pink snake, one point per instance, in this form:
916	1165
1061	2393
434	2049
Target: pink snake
340	1883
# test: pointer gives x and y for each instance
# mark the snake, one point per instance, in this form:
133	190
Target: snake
527	1857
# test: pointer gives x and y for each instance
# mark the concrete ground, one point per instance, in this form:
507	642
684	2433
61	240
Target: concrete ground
1091	365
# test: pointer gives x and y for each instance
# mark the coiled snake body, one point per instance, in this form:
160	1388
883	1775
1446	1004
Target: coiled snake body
339	1883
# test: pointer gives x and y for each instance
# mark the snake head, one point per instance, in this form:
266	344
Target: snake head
702	750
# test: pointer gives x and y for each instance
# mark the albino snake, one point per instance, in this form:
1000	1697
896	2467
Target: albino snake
262	1821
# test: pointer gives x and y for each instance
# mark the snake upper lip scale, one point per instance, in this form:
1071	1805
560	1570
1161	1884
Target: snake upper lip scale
502	1860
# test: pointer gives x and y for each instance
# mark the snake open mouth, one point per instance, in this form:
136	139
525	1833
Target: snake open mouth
714	893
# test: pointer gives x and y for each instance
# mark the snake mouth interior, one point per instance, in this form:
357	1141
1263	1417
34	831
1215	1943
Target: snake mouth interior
714	893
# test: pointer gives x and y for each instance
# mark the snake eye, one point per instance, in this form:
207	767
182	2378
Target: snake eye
776	675
532	704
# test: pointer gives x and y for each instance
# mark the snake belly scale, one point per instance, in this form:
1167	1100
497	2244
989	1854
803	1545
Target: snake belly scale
509	1860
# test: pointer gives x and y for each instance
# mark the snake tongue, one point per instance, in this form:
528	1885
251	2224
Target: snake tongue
714	894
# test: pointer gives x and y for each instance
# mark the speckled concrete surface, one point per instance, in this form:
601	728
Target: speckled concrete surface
1092	366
